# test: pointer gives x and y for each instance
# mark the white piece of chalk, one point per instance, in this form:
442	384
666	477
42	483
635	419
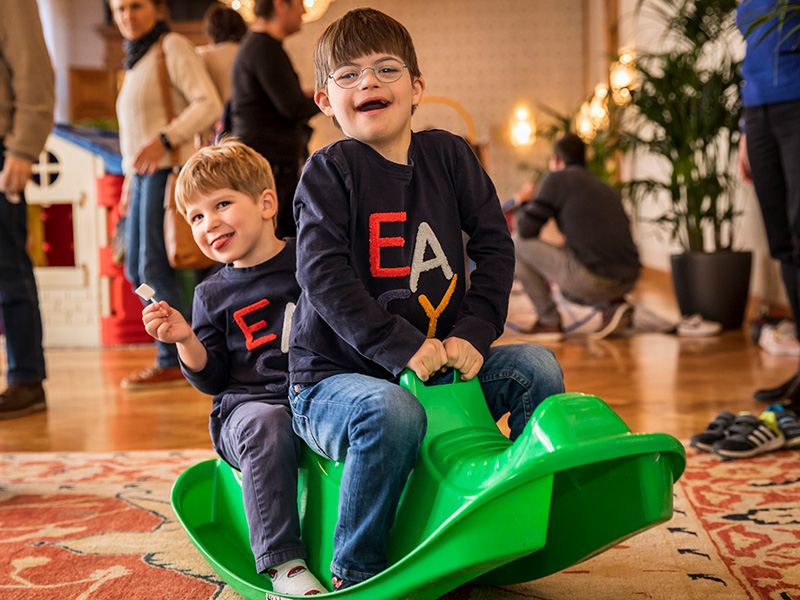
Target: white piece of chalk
145	292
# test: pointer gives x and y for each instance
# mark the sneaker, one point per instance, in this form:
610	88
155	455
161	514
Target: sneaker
616	319
542	332
748	436
340	584
153	378
22	399
778	393
714	432
697	326
787	424
780	339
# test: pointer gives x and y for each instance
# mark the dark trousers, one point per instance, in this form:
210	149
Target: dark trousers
286	174
257	439
21	320
773	146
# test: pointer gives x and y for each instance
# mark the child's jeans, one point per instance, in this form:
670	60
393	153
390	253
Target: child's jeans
257	438
378	427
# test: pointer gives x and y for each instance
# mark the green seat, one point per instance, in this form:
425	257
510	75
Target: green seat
475	508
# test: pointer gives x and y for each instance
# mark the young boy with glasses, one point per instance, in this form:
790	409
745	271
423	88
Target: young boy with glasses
381	266
238	349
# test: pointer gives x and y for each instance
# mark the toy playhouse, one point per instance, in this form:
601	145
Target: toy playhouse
72	210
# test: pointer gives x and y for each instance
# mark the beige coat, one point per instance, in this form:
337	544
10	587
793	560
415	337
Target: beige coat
140	106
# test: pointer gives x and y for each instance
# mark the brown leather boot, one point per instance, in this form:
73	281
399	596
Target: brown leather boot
22	399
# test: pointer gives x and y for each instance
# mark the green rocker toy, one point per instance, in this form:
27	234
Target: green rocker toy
476	508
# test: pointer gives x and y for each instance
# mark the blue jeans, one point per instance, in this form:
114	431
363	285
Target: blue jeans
378	427
146	257
21	319
257	439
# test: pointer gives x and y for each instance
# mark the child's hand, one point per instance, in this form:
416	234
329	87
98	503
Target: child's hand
165	323
430	357
463	356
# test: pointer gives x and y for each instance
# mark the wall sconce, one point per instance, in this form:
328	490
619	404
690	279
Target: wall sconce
523	128
314	9
622	77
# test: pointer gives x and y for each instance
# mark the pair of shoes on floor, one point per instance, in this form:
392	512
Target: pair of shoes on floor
697	326
787	389
617	317
22	399
746	435
154	378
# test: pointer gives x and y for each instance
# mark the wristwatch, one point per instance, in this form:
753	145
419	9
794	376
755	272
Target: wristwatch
165	140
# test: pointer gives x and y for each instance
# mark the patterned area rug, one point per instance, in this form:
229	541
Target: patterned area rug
100	527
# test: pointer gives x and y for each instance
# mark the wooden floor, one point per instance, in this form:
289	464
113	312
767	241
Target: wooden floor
656	382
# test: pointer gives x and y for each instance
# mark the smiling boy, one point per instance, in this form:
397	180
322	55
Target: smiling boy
381	265
238	349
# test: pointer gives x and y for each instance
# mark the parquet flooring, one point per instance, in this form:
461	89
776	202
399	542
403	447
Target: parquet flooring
656	382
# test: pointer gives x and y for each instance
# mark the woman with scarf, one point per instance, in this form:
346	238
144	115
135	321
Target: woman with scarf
147	140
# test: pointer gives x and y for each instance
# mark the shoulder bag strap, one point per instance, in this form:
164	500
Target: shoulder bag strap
166	95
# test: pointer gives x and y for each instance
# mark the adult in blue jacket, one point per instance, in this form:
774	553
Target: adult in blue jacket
769	151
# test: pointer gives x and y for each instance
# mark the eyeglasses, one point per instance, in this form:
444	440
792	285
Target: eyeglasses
386	70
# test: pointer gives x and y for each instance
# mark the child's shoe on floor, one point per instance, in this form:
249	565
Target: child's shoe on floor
787	424
715	431
750	436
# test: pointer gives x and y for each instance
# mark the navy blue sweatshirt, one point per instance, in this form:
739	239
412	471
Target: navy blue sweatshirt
243	317
381	257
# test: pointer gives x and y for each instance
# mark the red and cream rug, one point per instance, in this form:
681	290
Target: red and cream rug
100	527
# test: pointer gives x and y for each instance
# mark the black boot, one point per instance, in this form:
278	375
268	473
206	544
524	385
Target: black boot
776	394
22	399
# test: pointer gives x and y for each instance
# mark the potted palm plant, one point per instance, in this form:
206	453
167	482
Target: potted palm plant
686	113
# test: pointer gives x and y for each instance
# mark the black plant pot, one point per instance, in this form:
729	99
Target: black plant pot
713	284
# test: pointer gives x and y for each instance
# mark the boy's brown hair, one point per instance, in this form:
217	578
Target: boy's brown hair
359	32
230	165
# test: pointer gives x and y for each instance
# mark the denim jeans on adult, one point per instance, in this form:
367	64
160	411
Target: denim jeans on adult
257	439
378	427
21	320
146	257
773	147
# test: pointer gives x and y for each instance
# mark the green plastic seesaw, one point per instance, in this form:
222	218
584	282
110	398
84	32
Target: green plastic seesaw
475	508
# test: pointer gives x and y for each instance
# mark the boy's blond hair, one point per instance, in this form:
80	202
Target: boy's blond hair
359	32
230	165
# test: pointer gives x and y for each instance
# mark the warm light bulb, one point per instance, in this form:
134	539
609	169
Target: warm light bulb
523	128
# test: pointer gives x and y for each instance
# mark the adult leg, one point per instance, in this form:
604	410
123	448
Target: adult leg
22	322
770	145
771	180
153	265
257	438
516	378
536	263
377	426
